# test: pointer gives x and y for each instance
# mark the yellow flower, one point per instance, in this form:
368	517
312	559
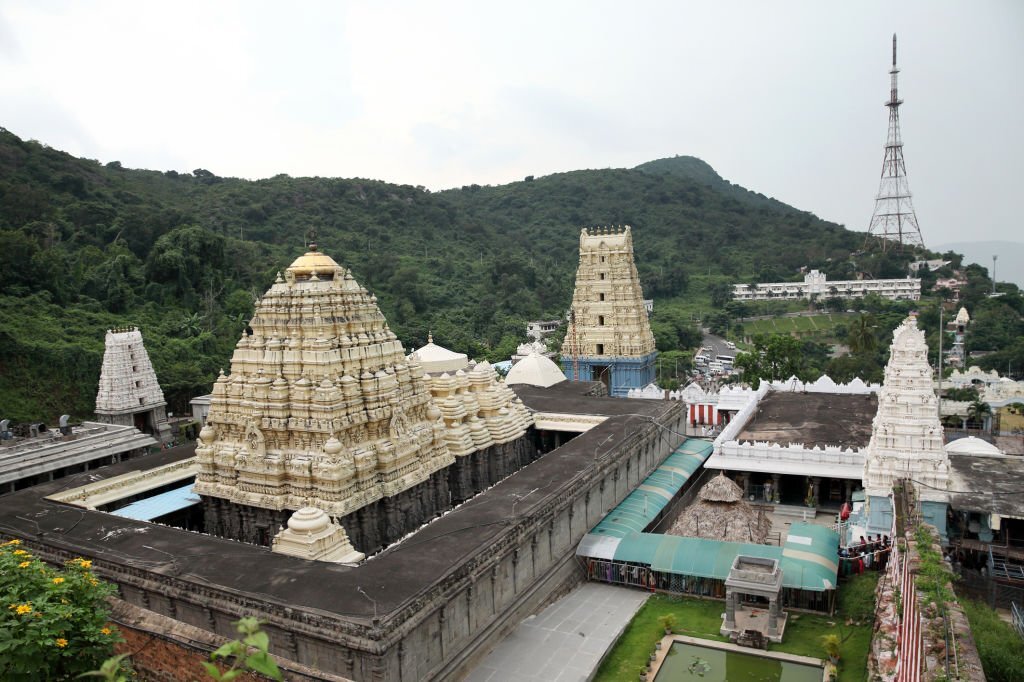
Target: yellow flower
23	608
84	563
19	552
24	564
11	542
58	581
61	642
105	631
94	582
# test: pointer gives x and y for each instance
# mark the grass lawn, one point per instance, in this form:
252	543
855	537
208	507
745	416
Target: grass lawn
702	618
819	325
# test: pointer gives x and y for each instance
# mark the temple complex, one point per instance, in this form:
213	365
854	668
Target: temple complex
609	337
129	394
906	435
322	409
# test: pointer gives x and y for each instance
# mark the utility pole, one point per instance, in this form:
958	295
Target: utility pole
938	401
994	274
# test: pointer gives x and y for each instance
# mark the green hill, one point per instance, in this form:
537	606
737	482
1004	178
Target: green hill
88	246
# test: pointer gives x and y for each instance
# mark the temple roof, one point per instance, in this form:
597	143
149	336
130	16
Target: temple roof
312	260
972	446
434	358
535	370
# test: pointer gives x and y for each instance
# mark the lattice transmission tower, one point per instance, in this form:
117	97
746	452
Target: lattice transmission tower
894	223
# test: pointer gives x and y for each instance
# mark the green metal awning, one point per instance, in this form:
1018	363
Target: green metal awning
642	505
809	558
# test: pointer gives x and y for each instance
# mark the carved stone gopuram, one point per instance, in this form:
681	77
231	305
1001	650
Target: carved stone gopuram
322	409
129	393
609	337
906	434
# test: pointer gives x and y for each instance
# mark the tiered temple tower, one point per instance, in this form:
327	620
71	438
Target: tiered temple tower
906	435
609	337
323	410
129	393
320	410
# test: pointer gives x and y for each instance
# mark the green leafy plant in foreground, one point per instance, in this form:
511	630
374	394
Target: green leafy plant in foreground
248	653
53	623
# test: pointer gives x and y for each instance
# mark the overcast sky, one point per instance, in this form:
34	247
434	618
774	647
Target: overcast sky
783	98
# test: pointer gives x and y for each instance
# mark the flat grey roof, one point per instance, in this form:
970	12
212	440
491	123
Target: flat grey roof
987	484
812	419
393	578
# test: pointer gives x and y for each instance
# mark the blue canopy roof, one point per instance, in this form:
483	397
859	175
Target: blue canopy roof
159	505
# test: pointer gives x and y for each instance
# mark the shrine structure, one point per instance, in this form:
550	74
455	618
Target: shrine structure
609	337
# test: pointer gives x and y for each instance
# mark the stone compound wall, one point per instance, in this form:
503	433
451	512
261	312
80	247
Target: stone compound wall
916	638
166	650
442	632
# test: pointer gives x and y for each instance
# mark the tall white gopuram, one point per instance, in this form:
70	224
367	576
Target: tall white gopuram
906	435
129	394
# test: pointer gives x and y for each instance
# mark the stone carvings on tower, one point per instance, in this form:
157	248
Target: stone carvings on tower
129	393
308	415
906	436
323	409
609	337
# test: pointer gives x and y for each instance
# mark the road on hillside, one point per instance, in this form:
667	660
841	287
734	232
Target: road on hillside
717	345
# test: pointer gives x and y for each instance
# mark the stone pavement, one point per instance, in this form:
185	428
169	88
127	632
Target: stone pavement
565	641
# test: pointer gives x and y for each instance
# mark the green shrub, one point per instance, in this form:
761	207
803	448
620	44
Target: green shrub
53	623
1000	648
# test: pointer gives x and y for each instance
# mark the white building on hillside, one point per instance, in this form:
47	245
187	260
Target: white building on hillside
816	284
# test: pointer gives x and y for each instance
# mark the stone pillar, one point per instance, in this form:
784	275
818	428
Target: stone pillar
775	486
849	491
816	488
744	480
730	610
773	617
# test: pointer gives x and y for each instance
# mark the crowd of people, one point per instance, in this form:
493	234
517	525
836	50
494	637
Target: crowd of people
866	555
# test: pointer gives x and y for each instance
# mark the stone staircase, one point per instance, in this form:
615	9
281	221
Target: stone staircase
795	512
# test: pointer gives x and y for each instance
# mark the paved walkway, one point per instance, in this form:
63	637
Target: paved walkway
565	641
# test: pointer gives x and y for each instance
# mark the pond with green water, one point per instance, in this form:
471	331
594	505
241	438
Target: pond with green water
687	662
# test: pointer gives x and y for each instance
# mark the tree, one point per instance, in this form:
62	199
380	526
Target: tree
978	411
862	338
965	394
721	293
774	357
188	258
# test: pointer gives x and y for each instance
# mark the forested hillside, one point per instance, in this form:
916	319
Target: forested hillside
88	246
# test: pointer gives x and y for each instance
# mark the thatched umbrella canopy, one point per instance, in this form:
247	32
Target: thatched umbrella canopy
721	513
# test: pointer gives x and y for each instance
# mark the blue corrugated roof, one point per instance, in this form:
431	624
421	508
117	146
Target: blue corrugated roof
159	505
